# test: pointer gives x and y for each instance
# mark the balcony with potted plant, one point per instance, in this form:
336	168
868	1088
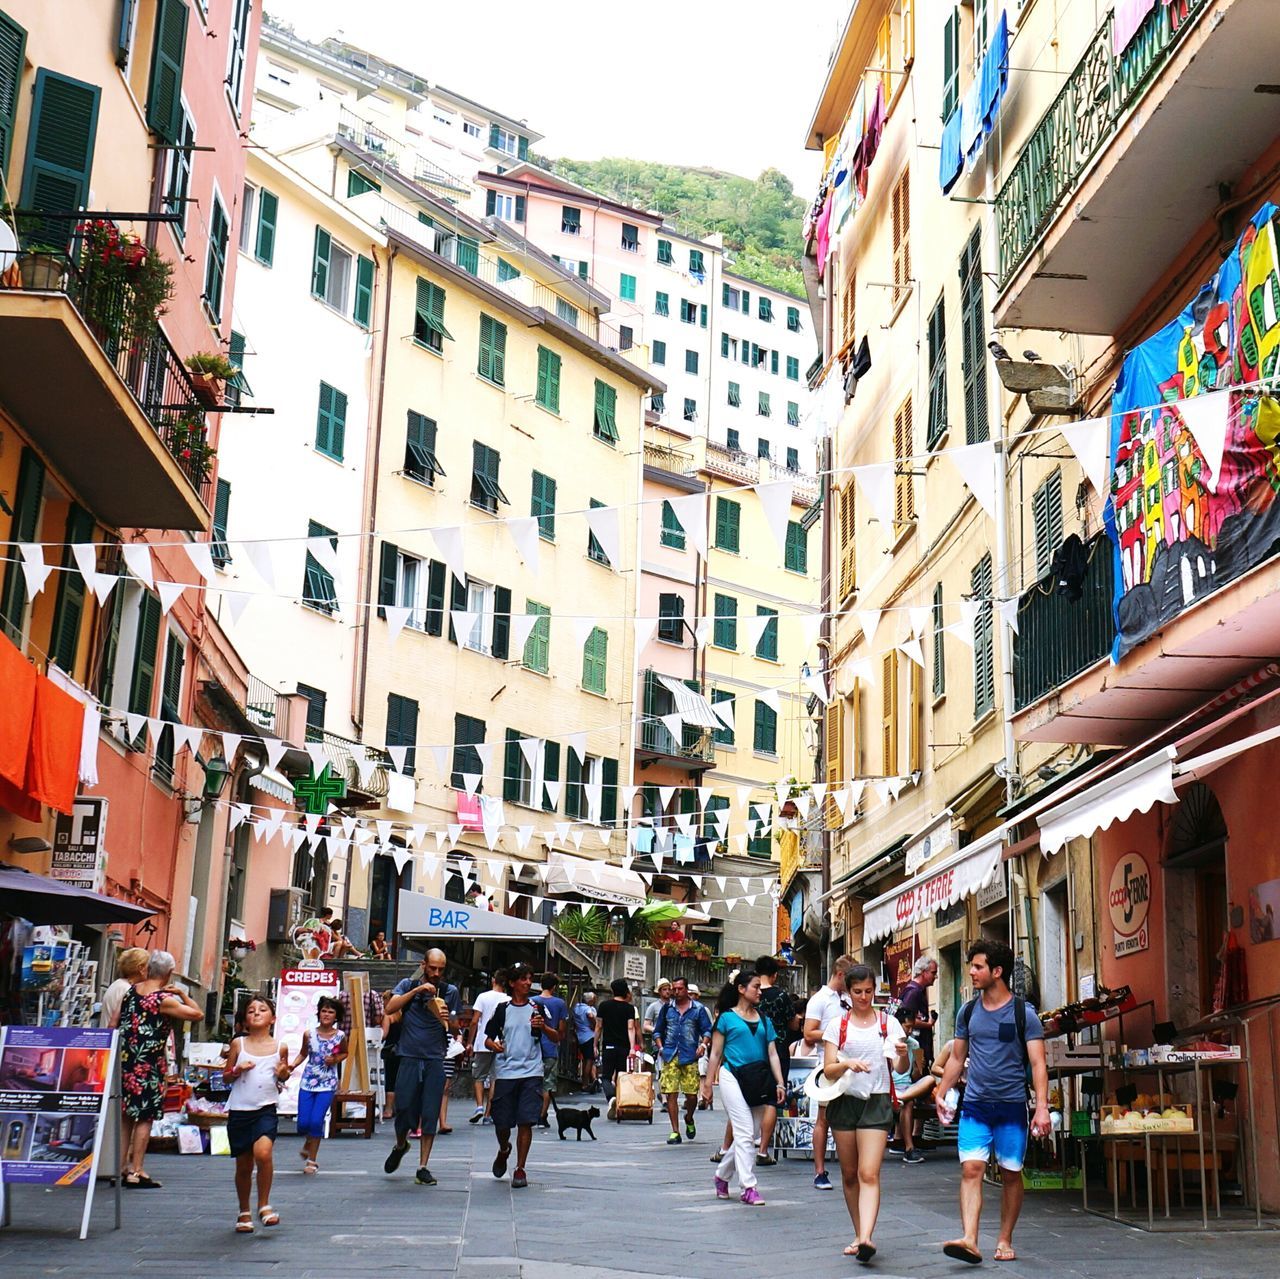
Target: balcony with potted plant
210	372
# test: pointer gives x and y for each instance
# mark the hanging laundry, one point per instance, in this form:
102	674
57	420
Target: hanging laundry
824	234
951	160
54	764
872	134
17	708
1130	15
966	131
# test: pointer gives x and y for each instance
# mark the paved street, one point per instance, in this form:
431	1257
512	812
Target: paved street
625	1206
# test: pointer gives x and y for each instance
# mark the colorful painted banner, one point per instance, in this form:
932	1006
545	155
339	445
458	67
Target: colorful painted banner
1180	530
300	990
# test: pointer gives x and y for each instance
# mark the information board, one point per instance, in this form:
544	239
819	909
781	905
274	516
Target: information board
300	989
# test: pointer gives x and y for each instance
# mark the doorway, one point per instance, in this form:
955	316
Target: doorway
1053	945
383	898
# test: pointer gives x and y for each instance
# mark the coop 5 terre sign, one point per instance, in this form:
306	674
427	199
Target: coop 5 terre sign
1128	899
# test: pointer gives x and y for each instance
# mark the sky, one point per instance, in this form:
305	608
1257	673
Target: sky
709	82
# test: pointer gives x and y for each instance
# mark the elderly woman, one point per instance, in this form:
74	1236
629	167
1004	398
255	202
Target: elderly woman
147	1013
132	967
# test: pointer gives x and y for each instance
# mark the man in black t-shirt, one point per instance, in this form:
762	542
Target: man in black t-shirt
777	1005
615	1034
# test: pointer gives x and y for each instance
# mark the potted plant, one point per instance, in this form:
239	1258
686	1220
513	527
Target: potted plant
210	371
239	948
585	927
187	437
125	284
42	268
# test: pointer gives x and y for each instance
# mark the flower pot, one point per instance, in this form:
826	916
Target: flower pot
611	946
42	271
238	953
208	389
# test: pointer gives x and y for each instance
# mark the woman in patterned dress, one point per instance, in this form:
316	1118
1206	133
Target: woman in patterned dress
147	1014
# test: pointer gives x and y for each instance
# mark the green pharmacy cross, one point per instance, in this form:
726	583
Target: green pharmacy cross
315	793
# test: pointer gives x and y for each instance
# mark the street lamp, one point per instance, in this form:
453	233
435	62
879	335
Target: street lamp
216	773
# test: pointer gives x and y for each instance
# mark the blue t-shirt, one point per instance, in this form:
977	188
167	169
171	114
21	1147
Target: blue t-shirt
522	1058
997	1072
422	1034
744	1041
584	1022
555	1012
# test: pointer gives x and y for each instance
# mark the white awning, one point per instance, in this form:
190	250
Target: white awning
945	884
691	706
1112	799
272	782
597	880
434	918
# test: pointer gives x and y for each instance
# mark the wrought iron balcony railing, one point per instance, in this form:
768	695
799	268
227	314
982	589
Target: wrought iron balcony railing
1085	115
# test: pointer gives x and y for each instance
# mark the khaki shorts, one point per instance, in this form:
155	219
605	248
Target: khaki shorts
676	1078
550	1073
848	1114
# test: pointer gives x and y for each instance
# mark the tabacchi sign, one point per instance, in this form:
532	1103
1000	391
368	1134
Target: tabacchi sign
1127	900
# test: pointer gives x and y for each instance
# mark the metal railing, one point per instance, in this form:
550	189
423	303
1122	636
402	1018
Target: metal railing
1085	114
1059	637
664	458
260	704
388	153
148	366
343	753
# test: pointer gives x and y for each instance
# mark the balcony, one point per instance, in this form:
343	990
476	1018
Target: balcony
343	753
695	746
117	417
386	154
662	457
1128	163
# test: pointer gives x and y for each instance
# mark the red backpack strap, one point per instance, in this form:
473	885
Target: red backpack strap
844	1028
884	1035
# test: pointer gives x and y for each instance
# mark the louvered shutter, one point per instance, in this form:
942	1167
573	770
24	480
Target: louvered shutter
164	94
388	572
573	806
320	263
902	235
550	773
973	342
457	600
60	142
23	528
904	500
362	310
144	656
435	598
69	608
834	751
13	43
889	715
264	248
848	541
608	791
501	622
915	708
511	760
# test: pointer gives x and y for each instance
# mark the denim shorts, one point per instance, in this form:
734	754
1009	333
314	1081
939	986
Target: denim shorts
983	1135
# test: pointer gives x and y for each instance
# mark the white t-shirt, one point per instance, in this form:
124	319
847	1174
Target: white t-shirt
486	1005
824	1007
866	1043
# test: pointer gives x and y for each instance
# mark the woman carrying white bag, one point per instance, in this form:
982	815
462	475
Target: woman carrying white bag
855	1084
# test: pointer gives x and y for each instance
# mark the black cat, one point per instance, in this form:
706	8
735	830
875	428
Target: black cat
574	1118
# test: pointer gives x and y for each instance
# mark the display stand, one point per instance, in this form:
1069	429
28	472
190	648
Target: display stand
793	1134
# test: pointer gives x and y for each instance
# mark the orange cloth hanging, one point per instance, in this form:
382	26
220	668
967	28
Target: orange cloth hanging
17	708
54	766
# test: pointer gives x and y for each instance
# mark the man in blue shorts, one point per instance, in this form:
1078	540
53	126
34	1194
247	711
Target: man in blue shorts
1002	1038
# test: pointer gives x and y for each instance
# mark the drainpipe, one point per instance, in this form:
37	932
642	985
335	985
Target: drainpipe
825	465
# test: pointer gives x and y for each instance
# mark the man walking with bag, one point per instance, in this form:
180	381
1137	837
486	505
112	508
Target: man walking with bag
1001	1036
681	1037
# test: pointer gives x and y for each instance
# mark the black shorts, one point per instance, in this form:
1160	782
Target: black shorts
517	1103
613	1060
245	1127
587	1049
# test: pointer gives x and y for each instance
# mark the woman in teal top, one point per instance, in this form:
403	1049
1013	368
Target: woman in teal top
741	1039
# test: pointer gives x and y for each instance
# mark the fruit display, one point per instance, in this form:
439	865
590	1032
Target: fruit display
1149	1112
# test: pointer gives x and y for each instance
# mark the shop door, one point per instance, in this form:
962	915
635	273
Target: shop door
1053	946
382	895
951	979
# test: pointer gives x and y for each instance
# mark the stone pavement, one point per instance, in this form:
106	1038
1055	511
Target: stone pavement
624	1207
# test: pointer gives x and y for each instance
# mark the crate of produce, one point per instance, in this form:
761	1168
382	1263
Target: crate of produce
1052	1178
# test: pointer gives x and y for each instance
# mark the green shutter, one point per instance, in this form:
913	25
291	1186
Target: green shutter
506	271
264	248
1046	508
511	762
573	805
606	425
973	346
984	688
331	422
939	653
608	791
766	729
501	645
522	147
537	649
69	608
388	576
724	633
797	552
402	727
13	44
951	64
144	655
595	654
493	350
22	528
435	598
467	255
768	645
722	736
320	264
221	553
937	423
428	328
362	312
542	503
728	518
164	93
548	391
215	269
550	772
60	141
673	534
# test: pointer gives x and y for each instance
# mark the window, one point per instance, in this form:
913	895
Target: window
773	363
466	254
973	342
746	351
662	304
984	670
330	272
848	543
362	305
658	403
238	51
690	410
548	392
472	129
595	660
729	297
724	632
630	238
404	581
570	220
605	425
765	738
485	492
537	648
468	733
796	557
626	337
574	266
904	485
595	551
659	351
763	408
688	312
746	302
690	361
951	64
767	646
793	319
765	309
331	422
428	316
733	439
664	253
889	714
177	178
793	413
702	315
1046	508
671	618
508	271
60	142
543	505
420	460
728	347
318	588
175	660
510	208
218	547
672	530
402	727
901	204
762	448
164	92
508	143
793	368
627	287
728	524
939	652
567	312
264	241
521	783
937	374
735	395
849	309
697	267
358	184
491	621
492	363
215	262
723	736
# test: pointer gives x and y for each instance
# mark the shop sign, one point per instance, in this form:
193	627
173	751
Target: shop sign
996	891
635	967
938	840
1128	900
300	991
899	956
79	852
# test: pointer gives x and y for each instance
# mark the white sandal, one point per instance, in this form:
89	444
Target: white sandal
310	1167
268	1215
244	1223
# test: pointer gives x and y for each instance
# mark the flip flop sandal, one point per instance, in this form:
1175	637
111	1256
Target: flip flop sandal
865	1251
146	1183
444	1130
962	1252
268	1215
310	1167
244	1223
1005	1252
851	1250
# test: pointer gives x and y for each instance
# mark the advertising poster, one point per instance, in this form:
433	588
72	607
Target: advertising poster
79	851
300	988
53	1097
898	959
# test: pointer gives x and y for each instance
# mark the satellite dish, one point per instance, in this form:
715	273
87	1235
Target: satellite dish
8	246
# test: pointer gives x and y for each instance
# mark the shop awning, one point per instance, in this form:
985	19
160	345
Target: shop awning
433	918
943	885
274	783
690	705
596	880
26	895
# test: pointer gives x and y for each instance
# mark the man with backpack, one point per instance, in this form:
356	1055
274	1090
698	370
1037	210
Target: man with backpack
1001	1036
681	1035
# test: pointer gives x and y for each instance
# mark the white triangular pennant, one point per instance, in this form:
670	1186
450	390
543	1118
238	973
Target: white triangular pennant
644	627
464	623
137	558
522	625
85	555
449	543
869	620
103	585
691	511
275	749
262	557
754	628
876	482
398	755
603	523
577	743
230	745
471	782
913	649
582	628
1090	442
775	500
769	696
34	569
201	556
169	593
524	533
976	464
397	617
1008	610
530	748
236	602
1207	418
919	616
816	683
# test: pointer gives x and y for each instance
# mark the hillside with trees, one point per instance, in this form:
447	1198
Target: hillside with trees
759	218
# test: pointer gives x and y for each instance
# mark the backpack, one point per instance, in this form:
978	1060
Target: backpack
884	1035
1019	1021
497	1024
